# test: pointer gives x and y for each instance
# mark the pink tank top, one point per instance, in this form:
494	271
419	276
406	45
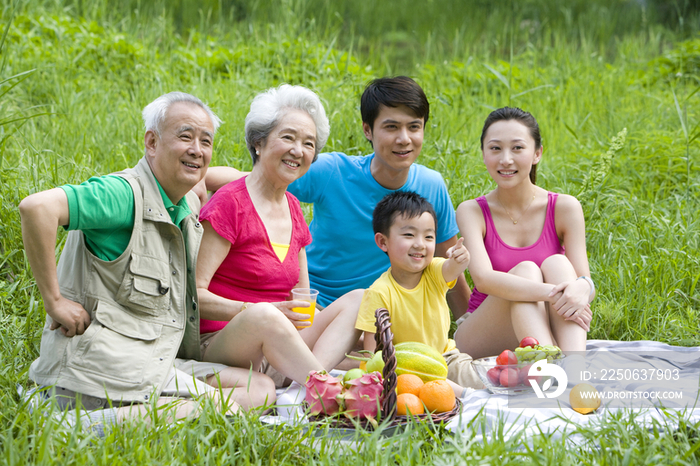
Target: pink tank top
504	257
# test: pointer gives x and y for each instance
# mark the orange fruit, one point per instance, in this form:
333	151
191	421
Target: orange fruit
408	402
438	396
408	383
584	398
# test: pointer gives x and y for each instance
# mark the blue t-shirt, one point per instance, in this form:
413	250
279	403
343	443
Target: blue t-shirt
343	255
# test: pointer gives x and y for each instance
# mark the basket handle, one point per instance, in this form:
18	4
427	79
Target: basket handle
384	339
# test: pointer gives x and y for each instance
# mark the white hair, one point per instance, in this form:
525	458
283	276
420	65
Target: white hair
268	108
154	113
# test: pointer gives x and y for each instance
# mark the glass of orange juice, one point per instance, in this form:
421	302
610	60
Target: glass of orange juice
309	295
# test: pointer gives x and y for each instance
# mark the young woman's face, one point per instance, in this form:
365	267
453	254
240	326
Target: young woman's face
509	152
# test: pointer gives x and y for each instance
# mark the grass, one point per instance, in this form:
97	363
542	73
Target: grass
75	75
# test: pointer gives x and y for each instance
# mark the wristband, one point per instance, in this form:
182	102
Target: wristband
592	285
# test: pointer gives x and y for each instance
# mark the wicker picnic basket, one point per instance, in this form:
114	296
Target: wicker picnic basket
384	338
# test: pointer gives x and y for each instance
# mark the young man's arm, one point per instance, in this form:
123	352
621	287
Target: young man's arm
217	177
458	296
42	213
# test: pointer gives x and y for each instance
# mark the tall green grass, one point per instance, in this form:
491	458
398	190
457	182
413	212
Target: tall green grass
75	75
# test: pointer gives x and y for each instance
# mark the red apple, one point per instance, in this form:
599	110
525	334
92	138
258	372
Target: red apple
507	358
525	377
509	377
528	341
494	375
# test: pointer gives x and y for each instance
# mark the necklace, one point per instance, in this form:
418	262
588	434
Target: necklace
515	222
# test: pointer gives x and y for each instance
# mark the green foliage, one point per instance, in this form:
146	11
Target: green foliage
614	90
600	170
681	62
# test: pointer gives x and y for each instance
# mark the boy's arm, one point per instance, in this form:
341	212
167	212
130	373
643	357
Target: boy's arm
458	296
457	261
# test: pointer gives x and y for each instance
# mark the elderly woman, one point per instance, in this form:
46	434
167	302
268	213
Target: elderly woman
253	251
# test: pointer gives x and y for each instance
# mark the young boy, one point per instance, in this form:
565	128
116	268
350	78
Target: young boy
414	287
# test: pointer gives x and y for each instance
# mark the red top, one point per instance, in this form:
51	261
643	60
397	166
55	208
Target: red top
251	272
504	257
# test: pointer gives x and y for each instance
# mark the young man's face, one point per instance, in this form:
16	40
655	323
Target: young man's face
397	137
410	244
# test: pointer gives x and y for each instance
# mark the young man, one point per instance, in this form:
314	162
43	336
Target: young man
413	289
345	189
121	305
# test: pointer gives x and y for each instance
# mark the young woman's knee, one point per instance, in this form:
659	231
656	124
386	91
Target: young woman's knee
556	260
557	266
529	270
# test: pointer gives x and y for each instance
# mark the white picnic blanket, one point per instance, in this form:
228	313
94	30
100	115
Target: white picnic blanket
652	379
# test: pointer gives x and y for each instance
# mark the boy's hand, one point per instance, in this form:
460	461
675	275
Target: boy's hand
458	252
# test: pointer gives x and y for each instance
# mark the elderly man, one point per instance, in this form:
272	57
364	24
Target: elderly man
122	303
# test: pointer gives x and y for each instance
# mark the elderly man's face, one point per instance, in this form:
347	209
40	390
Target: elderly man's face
180	155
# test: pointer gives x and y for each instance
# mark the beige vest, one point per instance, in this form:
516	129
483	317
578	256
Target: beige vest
143	305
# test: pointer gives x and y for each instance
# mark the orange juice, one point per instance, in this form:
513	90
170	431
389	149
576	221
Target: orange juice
306	310
309	295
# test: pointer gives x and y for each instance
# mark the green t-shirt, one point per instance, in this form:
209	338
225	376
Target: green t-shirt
103	209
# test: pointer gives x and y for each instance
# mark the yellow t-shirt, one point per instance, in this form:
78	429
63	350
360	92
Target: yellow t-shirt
420	314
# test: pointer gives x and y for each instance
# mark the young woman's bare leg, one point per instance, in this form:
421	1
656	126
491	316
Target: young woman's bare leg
498	324
568	335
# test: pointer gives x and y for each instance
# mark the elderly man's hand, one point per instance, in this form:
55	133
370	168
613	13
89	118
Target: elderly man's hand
69	316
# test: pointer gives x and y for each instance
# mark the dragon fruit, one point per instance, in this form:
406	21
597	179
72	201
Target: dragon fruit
363	396
321	392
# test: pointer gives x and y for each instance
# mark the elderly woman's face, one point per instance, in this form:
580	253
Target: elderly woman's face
290	148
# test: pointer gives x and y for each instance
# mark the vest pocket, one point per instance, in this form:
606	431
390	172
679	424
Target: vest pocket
146	286
116	345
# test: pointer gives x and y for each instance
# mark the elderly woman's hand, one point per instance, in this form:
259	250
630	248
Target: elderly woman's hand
295	317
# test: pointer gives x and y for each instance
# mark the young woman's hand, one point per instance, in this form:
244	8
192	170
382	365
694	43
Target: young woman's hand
570	300
583	318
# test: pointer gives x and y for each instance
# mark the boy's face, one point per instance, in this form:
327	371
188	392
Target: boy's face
397	137
410	244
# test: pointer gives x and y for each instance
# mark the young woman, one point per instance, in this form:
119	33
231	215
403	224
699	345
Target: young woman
527	247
